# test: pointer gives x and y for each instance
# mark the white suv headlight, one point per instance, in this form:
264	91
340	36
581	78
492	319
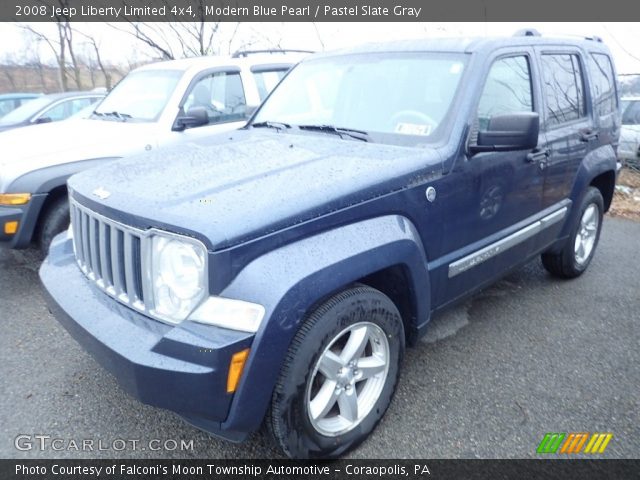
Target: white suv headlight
178	276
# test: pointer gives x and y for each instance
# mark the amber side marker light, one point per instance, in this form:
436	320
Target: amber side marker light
14	198
10	227
235	369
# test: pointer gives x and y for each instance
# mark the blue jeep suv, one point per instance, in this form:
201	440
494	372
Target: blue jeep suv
274	275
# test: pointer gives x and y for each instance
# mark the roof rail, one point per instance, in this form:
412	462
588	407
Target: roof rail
527	32
532	32
246	53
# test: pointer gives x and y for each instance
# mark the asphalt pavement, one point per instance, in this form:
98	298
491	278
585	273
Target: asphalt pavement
527	356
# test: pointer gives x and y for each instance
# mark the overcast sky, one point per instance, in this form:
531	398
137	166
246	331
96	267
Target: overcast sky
622	38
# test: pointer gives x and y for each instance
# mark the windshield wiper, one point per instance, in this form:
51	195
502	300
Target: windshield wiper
269	124
114	114
350	132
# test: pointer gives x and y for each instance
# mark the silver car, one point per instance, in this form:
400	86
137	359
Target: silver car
629	149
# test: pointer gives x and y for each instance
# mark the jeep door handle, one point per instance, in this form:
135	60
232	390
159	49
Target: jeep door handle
538	155
587	135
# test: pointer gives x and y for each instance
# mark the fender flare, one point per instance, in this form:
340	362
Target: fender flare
291	280
595	163
43	180
40	183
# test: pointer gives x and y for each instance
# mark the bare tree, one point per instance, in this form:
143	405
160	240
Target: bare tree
93	44
58	48
62	47
9	62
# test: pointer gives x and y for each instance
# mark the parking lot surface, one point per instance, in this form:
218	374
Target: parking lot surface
527	356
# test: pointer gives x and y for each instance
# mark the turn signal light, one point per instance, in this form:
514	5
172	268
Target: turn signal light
10	227
235	369
14	198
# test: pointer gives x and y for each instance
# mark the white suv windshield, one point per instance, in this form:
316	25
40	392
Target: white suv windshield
140	95
394	95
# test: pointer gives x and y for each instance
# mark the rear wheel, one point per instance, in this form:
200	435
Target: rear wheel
339	375
54	220
576	254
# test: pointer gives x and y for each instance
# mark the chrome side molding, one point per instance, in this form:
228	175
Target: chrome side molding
490	251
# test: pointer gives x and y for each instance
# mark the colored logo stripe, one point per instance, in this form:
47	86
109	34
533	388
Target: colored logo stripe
598	442
573	442
550	442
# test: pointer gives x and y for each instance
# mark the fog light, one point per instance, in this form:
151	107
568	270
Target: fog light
235	369
14	198
11	228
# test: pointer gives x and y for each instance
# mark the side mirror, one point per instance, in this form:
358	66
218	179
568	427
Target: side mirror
195	117
516	131
43	120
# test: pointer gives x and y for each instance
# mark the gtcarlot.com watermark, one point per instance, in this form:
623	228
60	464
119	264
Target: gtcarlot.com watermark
46	443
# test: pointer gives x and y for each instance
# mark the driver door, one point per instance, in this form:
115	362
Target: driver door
492	194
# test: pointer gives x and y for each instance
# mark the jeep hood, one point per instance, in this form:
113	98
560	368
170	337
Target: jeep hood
27	149
247	184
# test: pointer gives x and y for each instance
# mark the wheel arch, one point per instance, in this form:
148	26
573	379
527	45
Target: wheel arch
49	184
293	280
597	169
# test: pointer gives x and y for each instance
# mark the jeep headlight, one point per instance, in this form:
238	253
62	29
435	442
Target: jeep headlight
178	276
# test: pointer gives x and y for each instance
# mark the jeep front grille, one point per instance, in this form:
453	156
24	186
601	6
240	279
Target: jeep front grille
110	255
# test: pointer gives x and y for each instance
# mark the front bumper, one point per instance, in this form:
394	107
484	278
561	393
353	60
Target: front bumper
182	368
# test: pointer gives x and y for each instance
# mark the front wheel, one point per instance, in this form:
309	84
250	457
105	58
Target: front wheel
339	375
575	256
54	220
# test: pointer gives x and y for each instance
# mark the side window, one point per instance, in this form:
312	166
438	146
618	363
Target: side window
80	103
6	106
563	88
631	114
507	89
266	80
604	100
58	112
222	96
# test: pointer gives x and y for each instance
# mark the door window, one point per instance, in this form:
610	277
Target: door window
266	80
507	89
221	94
58	112
563	87
605	100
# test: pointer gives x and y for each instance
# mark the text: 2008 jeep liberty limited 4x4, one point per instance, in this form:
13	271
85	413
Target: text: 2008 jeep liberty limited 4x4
275	274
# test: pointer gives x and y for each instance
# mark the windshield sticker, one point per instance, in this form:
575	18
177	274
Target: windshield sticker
455	69
412	129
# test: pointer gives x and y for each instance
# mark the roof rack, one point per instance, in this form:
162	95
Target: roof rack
527	32
532	32
246	53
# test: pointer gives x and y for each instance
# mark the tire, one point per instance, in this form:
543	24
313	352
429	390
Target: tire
572	262
54	220
361	313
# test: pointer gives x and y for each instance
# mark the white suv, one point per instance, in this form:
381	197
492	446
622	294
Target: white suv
157	105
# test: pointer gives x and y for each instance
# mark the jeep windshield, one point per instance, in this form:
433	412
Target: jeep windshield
396	98
140	96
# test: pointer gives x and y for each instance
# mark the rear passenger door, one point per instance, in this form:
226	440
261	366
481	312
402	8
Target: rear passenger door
567	122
